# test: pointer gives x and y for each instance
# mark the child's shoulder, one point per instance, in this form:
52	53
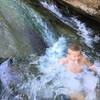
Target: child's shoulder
63	60
85	60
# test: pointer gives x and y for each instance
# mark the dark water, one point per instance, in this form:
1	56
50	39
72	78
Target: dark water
36	33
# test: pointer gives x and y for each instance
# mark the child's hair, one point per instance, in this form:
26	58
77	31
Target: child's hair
74	46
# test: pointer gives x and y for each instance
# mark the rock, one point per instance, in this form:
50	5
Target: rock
17	33
89	7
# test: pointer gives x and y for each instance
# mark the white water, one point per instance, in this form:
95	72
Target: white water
52	8
6	74
55	80
85	32
43	26
82	30
7	77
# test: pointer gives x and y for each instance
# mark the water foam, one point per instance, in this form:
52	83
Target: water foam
54	80
82	30
52	8
85	32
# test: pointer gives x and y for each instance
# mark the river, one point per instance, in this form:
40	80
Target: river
35	34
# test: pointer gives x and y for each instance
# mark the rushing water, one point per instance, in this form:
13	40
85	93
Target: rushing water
41	77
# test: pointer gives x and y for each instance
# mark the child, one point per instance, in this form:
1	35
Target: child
74	62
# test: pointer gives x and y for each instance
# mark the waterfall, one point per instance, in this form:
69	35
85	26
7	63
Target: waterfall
43	26
25	30
19	24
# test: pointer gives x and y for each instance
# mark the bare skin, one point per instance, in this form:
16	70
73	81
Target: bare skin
75	60
77	96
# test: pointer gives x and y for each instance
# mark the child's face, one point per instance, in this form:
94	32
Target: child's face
74	55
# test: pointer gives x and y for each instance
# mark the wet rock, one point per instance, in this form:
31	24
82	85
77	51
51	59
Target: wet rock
2	60
17	33
10	80
21	96
98	90
88	7
62	97
1	87
8	77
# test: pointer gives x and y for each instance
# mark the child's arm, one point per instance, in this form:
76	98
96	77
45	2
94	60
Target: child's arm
90	65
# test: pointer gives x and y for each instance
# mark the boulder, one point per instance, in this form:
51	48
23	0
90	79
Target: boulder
88	7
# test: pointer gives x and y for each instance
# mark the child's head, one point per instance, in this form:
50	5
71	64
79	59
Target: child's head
74	52
74	46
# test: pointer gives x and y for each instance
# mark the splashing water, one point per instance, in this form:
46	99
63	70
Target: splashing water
55	10
84	32
8	78
41	23
52	8
54	80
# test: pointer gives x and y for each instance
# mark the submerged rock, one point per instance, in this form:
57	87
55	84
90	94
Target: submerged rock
10	80
8	77
62	97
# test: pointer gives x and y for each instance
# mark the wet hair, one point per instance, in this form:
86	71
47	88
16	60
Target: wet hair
74	46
